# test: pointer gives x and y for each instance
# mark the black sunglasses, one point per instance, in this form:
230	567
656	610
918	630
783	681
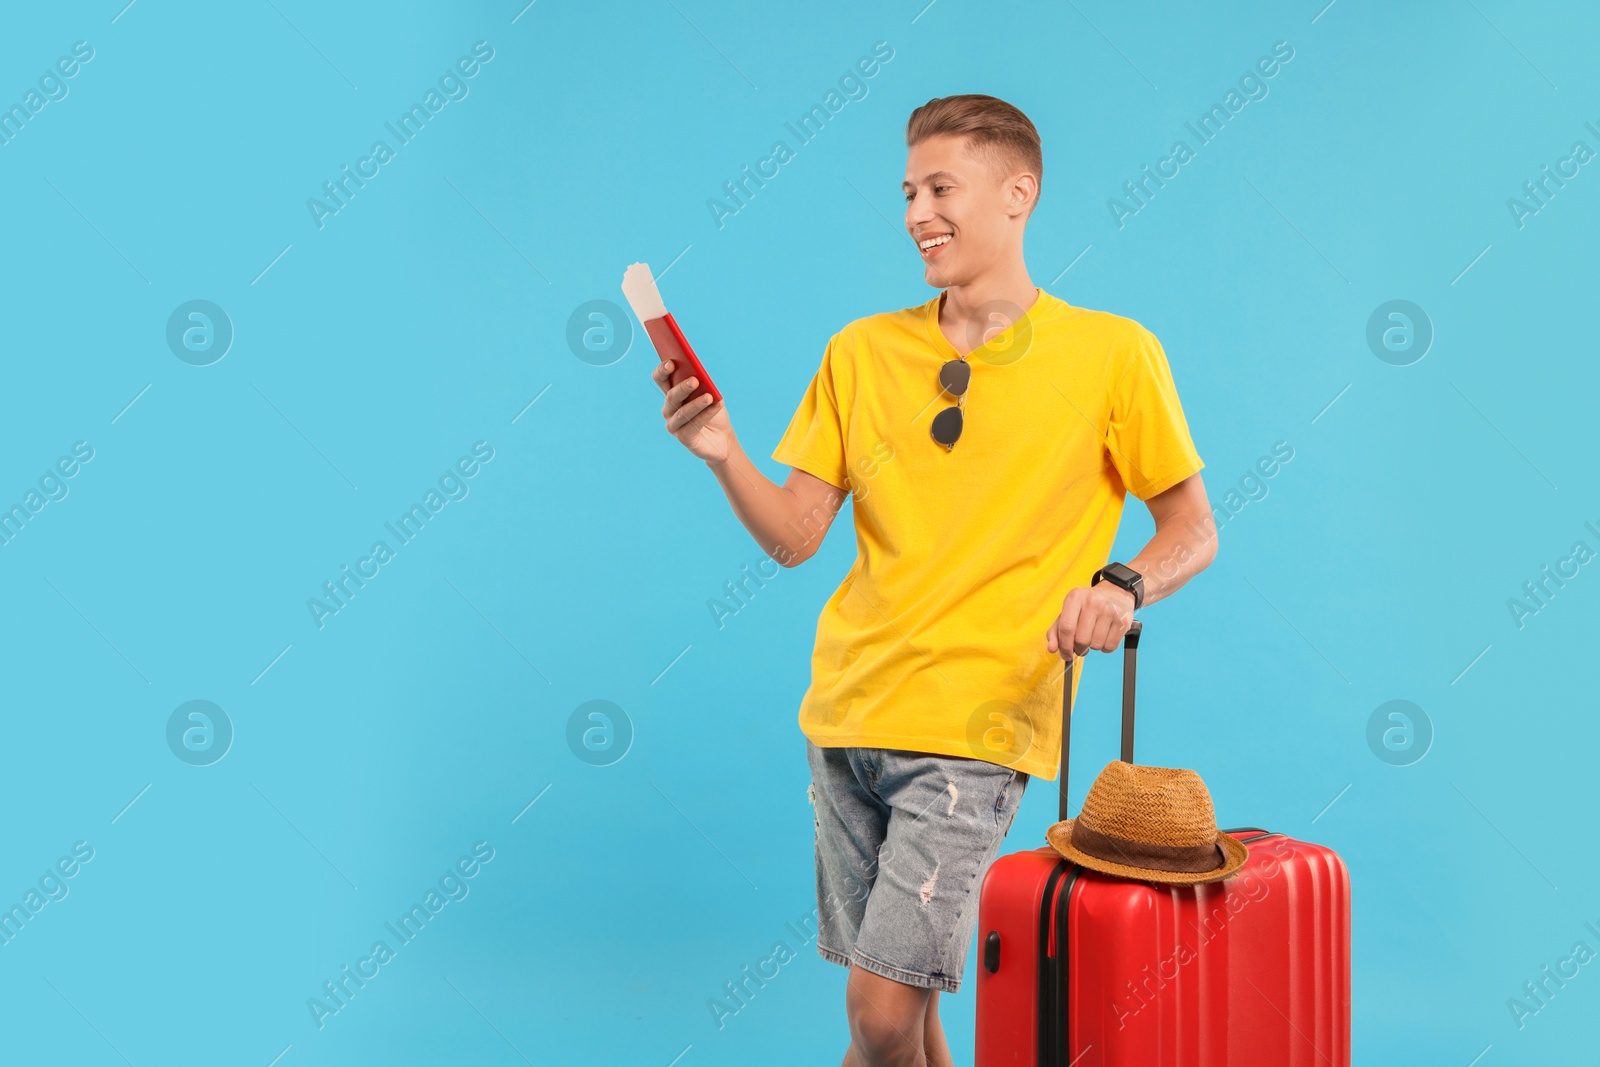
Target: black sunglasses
954	377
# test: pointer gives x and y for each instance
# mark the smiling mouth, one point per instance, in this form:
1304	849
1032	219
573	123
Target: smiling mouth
930	247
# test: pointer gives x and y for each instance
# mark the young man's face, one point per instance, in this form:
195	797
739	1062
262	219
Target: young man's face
952	193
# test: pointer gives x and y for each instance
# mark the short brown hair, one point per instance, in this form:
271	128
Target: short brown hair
994	129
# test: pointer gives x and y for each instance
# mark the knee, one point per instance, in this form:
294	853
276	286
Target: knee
883	1036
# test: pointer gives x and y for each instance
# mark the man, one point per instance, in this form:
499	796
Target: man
989	438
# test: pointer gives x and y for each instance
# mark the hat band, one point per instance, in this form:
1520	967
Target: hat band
1188	859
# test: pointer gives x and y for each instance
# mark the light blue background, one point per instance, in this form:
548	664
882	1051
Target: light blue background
428	314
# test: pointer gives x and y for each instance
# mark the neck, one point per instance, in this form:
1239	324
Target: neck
1010	284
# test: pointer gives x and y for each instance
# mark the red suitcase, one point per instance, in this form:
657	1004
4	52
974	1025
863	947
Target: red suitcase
1084	969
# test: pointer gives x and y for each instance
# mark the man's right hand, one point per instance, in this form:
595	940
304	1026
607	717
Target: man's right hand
700	425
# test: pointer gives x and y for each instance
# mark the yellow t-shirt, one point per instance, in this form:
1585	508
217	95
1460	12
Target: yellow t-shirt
935	640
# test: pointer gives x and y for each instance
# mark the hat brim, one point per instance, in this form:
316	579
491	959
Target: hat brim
1234	853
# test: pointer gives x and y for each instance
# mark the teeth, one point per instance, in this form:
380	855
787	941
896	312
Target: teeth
934	242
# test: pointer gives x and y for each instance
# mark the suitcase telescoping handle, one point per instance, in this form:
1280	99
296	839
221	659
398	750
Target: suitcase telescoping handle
1130	665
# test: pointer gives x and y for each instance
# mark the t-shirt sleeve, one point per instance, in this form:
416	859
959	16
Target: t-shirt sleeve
1148	437
814	441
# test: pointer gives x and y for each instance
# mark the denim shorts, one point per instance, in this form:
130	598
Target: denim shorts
903	841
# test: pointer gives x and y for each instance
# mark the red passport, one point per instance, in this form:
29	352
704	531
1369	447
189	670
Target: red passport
639	286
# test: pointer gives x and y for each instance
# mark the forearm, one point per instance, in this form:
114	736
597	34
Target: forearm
1183	546
775	517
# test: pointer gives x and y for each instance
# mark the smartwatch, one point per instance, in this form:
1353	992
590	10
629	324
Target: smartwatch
1128	579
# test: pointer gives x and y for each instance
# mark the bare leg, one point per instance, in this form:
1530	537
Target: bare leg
933	1042
886	1022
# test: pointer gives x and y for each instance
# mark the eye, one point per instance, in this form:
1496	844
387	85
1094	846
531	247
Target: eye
936	188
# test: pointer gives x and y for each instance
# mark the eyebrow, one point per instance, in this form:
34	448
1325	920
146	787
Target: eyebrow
929	178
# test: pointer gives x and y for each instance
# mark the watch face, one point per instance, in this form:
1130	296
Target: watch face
1127	578
1119	572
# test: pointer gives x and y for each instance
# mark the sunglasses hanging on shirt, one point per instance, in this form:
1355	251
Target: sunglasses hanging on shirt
954	377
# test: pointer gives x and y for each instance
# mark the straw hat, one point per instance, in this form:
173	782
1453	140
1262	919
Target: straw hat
1155	824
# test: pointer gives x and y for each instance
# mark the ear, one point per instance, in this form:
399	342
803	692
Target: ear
1021	193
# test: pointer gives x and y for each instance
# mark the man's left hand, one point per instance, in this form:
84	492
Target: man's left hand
1096	616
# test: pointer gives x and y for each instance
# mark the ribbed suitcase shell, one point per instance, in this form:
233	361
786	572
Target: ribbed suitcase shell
1265	981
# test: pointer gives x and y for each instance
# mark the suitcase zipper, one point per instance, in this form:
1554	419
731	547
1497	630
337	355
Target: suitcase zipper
1054	1037
1045	982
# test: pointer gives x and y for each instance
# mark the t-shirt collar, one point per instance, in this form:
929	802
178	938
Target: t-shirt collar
947	351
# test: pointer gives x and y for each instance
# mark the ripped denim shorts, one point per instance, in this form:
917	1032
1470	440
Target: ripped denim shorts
903	840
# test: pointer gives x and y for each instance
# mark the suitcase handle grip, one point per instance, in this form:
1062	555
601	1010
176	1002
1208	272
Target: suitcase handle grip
1130	665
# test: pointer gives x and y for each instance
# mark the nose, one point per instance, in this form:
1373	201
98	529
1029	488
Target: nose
917	211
